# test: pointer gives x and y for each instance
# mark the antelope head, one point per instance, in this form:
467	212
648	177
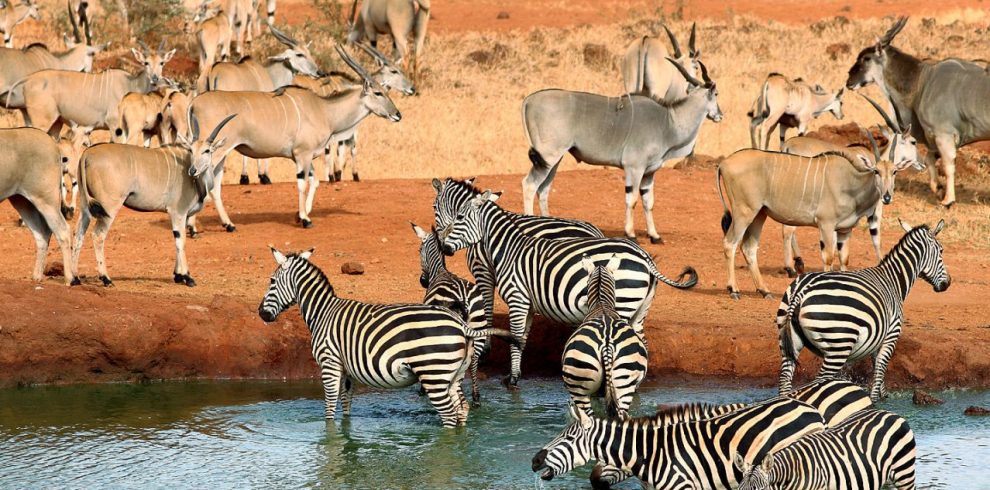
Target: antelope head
84	53
690	60
153	61
871	61
373	95
903	148
296	56
884	170
203	151
705	87
832	102
390	75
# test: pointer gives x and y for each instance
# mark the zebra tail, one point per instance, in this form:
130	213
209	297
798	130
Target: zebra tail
786	329
611	397
484	333
727	215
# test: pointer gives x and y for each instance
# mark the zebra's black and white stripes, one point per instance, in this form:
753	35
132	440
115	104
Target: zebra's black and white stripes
604	354
845	316
871	449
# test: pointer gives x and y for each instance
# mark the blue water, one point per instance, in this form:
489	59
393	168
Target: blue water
272	434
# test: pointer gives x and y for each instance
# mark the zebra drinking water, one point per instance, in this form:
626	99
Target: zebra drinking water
535	275
604	354
845	316
384	346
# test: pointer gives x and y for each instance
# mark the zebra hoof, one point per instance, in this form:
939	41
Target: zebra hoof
230	227
263	178
307	223
244	180
597	482
656	240
475	398
356	177
511	382
799	265
75	282
790	272
106	281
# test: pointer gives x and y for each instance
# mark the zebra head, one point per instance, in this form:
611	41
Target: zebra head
431	260
601	280
755	477
451	196
465	229
570	449
931	267
282	291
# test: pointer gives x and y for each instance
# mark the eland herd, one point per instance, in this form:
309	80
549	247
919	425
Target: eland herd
564	269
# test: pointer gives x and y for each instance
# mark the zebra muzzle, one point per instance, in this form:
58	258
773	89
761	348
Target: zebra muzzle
448	250
266	315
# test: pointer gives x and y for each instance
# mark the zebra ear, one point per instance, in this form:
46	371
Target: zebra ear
905	225
740	463
767	463
437	185
939	227
470	180
493	196
307	254
588	264
419	231
280	258
613	264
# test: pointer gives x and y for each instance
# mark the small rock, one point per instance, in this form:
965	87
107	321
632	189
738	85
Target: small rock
384	240
502	15
924	398
352	268
199	308
975	411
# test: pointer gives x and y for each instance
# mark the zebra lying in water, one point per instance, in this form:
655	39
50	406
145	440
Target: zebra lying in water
871	449
384	346
845	316
536	275
604	354
444	288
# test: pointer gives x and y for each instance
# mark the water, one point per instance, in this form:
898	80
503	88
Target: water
272	434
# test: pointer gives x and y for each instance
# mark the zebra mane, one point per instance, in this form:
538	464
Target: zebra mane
309	265
900	243
464	185
672	414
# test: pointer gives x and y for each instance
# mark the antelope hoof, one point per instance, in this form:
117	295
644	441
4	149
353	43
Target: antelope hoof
766	294
75	282
245	180
356	177
631	238
948	205
263	178
330	179
184	279
230	227
790	272
106	281
799	265
192	232
656	240
733	294
307	223
338	174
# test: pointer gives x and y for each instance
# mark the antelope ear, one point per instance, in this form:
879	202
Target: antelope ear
905	225
422	234
613	264
588	264
218	143
280	258
168	56
138	55
437	185
307	254
69	43
740	463
907	130
939	227
866	162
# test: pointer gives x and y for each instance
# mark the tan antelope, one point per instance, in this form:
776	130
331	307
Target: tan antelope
78	11
11	15
292	122
175	114
831	191
789	103
213	36
140	118
397	18
166	179
645	70
70	149
88	101
16	64
31	178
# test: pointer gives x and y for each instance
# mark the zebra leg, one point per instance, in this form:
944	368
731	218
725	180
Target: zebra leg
874	222
603	476
842	245
750	245
790	349
347	395
440	393
583	401
477	348
878	390
520	321
837	353
331	373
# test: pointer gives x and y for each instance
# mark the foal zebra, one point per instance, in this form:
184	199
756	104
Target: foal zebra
385	346
871	449
845	316
696	454
444	288
453	194
546	276
604	354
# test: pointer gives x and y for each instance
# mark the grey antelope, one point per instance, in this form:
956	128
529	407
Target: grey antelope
846	316
871	450
901	151
174	179
789	103
398	18
634	133
383	346
213	36
694	454
834	400
453	194
645	70
936	99
250	75
831	192
31	178
11	15
604	354
291	123
444	288
537	275
88	101
16	64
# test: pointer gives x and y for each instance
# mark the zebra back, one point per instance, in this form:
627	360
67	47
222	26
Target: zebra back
836	400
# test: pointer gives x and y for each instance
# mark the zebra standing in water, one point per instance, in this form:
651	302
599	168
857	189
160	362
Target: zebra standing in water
871	449
696	454
452	195
444	288
535	275
384	346
845	316
604	354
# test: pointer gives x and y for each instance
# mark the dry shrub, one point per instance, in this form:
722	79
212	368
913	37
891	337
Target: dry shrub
838	50
597	57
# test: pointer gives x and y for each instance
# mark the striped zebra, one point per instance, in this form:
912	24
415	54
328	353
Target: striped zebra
871	449
845	316
696	454
452	195
604	355
384	346
444	288
536	275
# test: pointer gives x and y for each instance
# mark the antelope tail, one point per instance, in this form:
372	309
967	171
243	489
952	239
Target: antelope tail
86	201
641	67
765	105
727	215
611	397
11	91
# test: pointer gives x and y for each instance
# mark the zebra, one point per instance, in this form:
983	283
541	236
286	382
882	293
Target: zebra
451	196
871	449
545	276
845	316
384	346
604	354
696	454
444	288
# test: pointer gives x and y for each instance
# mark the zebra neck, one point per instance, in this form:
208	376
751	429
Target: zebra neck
601	300
313	294
614	437
899	269
502	239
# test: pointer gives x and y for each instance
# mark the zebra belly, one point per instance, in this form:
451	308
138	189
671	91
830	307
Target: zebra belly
397	378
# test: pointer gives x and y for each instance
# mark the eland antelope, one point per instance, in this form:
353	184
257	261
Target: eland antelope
791	104
398	18
11	15
645	70
31	178
16	64
292	122
173	179
141	117
213	36
70	149
78	11
940	100
633	132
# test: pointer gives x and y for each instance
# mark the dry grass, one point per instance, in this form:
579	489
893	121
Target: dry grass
467	118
